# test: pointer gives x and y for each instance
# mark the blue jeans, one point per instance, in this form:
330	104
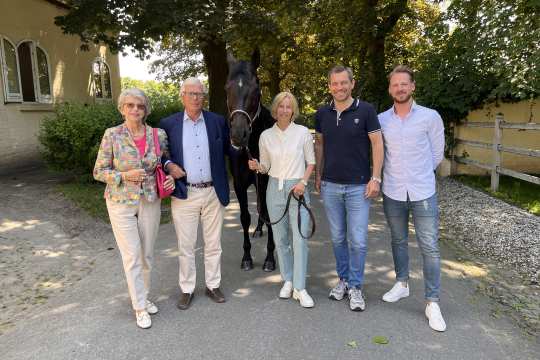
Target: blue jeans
425	214
347	211
292	260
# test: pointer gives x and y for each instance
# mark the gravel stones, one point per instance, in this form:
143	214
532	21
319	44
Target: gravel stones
491	227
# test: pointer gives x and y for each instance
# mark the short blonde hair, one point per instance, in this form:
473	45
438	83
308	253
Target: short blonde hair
138	93
279	98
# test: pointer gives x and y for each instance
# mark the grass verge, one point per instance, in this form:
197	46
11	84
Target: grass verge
515	191
89	197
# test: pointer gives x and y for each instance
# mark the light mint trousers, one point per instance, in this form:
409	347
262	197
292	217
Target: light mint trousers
292	248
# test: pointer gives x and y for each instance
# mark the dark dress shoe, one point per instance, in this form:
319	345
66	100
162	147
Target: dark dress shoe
184	301
216	295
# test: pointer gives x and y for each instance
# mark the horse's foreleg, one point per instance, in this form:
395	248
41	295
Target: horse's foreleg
258	232
245	220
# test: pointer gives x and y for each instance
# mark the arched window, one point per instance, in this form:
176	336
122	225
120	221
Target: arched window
10	71
101	78
34	72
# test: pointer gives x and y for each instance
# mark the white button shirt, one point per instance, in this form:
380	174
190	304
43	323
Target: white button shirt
413	148
284	154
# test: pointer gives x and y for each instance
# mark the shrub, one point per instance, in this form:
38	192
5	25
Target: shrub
70	138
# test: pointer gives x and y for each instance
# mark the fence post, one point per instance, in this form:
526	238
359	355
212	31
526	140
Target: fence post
497	135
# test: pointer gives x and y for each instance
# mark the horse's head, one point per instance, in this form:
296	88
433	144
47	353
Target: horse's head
243	97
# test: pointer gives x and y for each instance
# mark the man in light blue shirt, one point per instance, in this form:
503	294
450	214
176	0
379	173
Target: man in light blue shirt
413	148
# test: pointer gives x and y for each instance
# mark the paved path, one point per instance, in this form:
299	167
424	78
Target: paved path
92	318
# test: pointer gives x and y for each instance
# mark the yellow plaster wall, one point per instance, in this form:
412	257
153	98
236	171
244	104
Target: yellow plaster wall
70	74
521	112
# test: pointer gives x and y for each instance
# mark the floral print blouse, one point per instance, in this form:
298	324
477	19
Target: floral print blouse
118	153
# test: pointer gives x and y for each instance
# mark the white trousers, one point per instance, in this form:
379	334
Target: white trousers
204	205
135	229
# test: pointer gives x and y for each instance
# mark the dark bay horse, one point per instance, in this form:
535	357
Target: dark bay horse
247	120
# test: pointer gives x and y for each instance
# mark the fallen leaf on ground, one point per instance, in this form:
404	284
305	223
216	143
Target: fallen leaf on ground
381	340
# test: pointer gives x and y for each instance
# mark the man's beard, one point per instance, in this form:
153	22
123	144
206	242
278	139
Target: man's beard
397	100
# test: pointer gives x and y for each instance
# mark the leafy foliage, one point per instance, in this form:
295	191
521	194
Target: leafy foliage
480	51
70	138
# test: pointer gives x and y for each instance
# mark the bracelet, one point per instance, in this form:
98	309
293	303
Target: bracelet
304	182
374	178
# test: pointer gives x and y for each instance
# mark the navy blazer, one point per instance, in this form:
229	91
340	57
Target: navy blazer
219	142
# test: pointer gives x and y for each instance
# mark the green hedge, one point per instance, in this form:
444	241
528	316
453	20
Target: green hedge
71	137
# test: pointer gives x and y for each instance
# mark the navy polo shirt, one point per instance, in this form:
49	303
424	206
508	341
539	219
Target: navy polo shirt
345	141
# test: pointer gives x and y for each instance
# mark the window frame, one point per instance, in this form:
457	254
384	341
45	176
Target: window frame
101	60
40	98
10	97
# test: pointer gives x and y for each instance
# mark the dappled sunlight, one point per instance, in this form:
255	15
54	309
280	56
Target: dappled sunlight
270	279
242	292
170	252
10	225
231	225
457	269
376	227
65	308
50	285
7	247
48	253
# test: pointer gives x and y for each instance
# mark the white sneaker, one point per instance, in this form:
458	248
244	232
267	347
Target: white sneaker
356	300
433	313
304	298
143	319
151	308
397	292
286	290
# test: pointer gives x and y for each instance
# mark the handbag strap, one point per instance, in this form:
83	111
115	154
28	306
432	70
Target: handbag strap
156	142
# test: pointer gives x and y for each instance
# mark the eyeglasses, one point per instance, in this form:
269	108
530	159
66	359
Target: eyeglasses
195	95
131	106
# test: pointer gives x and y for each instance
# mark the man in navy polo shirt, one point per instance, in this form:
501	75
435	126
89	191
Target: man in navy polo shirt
345	130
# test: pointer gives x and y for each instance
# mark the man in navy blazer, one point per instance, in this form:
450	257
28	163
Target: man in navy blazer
198	143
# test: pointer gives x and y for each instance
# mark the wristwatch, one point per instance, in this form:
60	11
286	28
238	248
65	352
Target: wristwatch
374	178
304	182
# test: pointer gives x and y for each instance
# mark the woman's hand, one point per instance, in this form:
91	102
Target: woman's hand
136	176
299	189
254	165
169	183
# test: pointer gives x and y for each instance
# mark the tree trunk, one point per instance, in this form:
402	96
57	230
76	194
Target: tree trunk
215	60
374	88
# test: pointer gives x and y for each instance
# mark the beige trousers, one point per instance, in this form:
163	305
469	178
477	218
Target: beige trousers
135	229
203	205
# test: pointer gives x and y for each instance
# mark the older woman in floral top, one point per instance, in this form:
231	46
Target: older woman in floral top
126	162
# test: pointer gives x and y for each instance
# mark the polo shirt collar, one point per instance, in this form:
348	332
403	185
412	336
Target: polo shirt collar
354	105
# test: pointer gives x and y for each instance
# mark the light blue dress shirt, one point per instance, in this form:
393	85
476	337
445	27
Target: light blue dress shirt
413	148
196	150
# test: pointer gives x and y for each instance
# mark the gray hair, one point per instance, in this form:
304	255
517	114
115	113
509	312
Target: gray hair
339	69
138	93
192	81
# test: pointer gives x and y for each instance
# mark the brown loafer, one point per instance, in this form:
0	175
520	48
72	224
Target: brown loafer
216	295
184	301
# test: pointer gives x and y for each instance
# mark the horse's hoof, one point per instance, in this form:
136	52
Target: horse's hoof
269	266
257	233
246	265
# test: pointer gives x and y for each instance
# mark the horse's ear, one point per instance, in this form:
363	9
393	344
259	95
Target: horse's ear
230	58
256	58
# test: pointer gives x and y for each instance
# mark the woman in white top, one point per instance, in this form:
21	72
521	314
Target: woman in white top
287	155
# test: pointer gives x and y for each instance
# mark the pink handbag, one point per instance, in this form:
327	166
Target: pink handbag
160	173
